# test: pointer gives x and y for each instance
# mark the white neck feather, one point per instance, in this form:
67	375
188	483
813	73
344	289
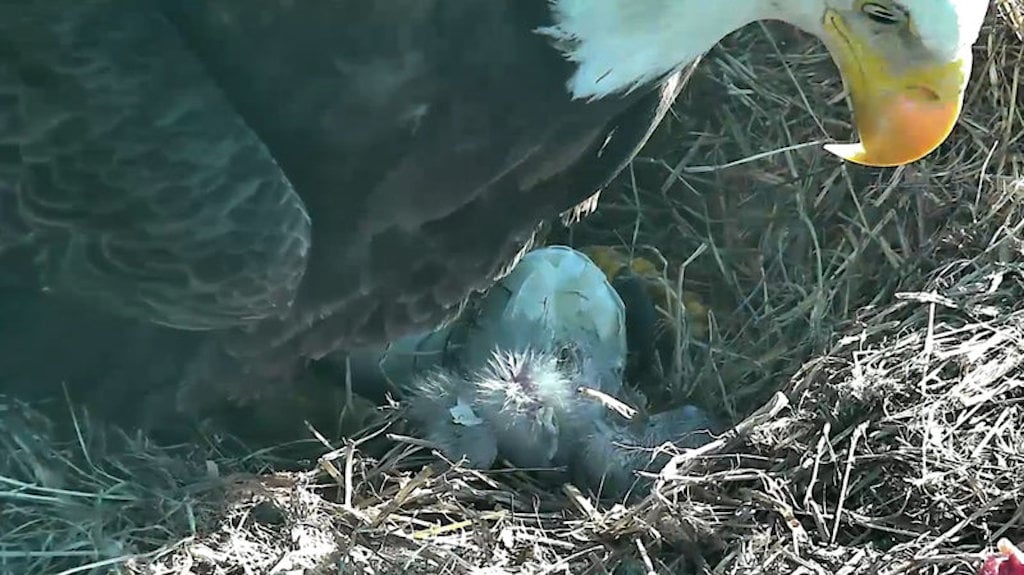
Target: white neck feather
619	45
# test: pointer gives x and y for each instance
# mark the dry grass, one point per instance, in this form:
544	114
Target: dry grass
865	331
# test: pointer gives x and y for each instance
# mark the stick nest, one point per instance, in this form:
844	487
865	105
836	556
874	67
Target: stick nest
863	328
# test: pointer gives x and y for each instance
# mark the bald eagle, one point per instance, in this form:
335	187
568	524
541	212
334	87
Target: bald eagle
291	178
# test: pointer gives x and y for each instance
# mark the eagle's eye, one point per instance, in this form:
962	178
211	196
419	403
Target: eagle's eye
882	14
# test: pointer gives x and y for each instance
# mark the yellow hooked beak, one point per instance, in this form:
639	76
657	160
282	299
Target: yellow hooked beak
901	117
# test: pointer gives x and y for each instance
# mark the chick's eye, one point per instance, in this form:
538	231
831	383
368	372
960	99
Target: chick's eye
881	14
567	356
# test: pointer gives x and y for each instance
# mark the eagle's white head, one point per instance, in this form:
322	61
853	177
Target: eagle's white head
906	63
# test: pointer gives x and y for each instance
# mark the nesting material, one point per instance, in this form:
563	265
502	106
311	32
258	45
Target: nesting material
865	329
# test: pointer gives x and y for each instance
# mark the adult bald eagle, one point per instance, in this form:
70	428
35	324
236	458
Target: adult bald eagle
297	177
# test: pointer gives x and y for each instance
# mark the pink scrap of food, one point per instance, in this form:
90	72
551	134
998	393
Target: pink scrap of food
1009	560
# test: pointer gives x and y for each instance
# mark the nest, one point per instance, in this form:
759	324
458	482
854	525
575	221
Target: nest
863	328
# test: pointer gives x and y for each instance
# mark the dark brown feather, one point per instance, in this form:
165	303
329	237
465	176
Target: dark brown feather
301	177
137	185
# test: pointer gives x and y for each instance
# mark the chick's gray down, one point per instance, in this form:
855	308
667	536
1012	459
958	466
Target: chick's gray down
505	379
442	404
614	449
515	359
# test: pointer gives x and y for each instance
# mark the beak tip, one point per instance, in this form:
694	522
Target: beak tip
850	152
857	153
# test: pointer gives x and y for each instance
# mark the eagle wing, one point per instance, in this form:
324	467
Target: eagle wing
128	181
427	138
